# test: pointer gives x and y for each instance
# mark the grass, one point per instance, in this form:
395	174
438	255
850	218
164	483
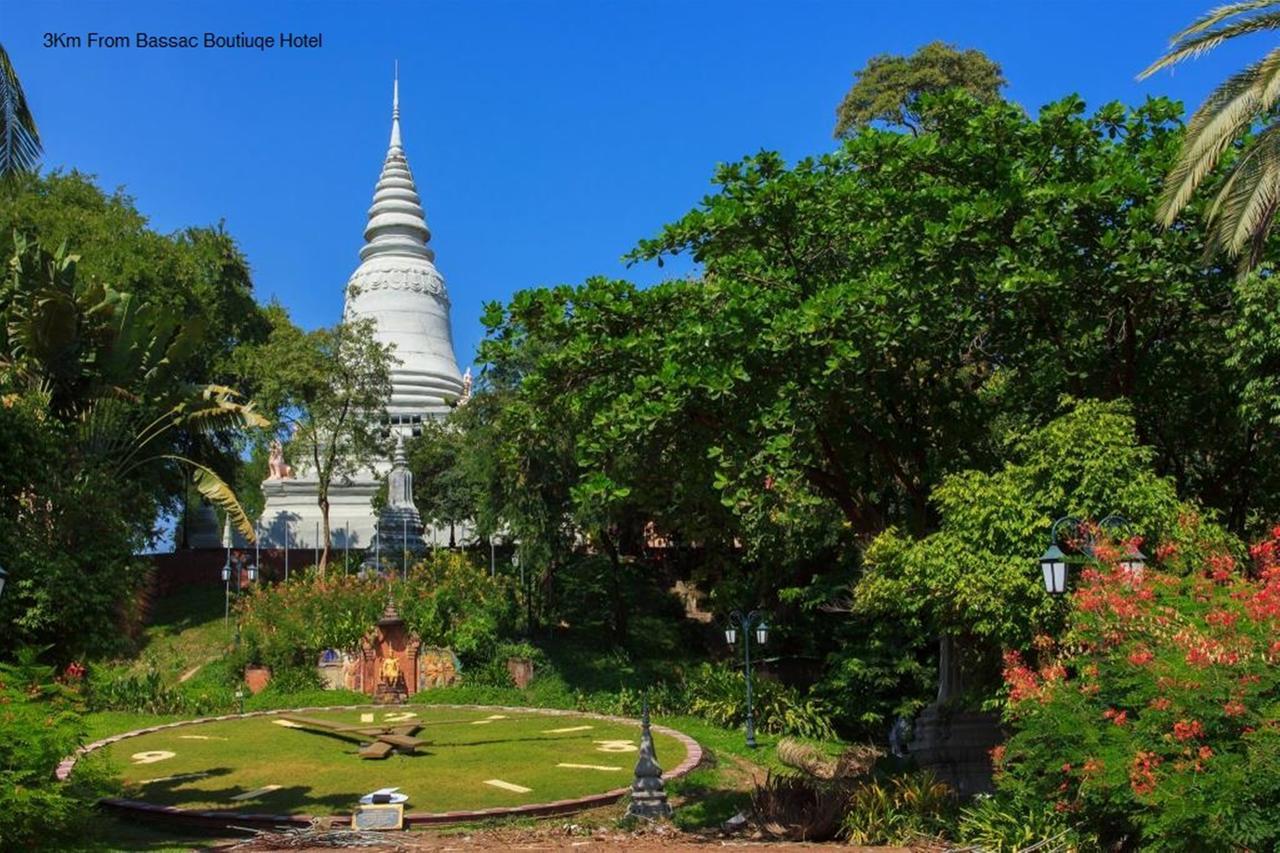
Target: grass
318	773
186	630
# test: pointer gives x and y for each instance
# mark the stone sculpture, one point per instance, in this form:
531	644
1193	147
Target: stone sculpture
648	795
276	466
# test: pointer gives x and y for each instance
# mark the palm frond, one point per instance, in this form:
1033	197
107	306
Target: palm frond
1215	16
1242	211
1230	109
212	409
20	145
1193	43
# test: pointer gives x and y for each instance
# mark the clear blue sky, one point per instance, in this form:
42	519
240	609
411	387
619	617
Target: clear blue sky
546	137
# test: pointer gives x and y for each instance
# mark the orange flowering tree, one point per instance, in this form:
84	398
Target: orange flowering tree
1155	720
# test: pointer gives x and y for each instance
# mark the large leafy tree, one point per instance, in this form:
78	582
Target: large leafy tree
329	388
1244	206
442	491
197	274
889	87
96	412
19	136
876	318
559	359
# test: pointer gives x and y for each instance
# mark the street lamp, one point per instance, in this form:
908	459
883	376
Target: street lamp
1053	562
3	577
226	583
748	623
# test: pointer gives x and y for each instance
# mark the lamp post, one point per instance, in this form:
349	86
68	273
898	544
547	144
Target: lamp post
3	577
516	562
1053	562
226	582
748	624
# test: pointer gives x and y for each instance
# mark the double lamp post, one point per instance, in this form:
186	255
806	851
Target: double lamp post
749	624
1086	539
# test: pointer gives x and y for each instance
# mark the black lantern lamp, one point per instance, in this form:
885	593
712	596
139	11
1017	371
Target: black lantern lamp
731	635
226	572
1054	565
3	577
762	633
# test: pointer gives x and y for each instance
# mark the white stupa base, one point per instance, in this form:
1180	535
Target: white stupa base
291	517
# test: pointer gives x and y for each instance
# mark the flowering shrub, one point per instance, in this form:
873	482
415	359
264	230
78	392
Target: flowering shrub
449	601
1156	721
40	724
287	625
446	600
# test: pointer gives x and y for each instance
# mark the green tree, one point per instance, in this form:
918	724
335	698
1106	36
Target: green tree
1245	204
19	137
888	89
878	317
197	274
94	416
330	388
976	578
442	490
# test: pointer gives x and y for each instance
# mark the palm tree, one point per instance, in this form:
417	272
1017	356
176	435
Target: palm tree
19	138
1241	214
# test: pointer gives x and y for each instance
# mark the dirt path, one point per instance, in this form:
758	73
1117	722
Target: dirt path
567	837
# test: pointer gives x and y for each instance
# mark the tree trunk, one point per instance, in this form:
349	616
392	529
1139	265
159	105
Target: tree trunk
615	589
950	683
324	517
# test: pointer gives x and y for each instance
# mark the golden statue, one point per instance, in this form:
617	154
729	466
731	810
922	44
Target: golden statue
390	670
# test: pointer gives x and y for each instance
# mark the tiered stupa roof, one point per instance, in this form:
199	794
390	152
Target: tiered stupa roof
398	285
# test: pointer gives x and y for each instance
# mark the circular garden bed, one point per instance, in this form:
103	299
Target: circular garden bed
286	767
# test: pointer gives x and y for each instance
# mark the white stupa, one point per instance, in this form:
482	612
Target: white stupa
399	287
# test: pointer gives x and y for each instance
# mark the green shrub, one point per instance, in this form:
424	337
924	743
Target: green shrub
145	693
999	825
286	626
41	725
448	600
718	696
907	810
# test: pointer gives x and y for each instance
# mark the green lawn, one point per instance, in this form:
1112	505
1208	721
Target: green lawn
209	765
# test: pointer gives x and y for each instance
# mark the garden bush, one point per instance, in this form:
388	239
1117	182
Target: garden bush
41	725
716	694
1156	721
146	693
286	626
448	600
903	811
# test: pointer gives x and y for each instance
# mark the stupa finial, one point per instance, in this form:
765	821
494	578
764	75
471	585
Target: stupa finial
395	108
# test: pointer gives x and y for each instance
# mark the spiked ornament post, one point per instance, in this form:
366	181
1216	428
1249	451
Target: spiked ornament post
648	796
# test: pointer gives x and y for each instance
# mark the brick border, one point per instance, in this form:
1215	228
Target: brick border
220	819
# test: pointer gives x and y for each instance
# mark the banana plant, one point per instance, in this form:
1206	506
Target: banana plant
106	433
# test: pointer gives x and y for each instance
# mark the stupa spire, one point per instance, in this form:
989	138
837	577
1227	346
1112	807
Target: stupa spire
395	109
397	223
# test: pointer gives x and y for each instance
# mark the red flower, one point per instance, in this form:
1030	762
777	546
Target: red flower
1141	657
1234	708
1185	730
1161	704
